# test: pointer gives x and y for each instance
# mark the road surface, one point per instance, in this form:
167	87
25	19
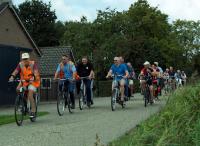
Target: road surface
79	128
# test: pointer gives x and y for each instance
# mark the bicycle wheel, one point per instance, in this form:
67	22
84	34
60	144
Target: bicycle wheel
19	110
69	103
81	100
113	99
60	104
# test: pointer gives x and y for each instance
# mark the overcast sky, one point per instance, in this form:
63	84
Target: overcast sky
74	9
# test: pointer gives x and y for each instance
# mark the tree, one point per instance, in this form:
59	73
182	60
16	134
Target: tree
39	20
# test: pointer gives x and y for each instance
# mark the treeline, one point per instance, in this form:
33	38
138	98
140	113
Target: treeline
141	33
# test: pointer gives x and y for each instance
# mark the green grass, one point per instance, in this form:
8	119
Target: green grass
6	119
178	124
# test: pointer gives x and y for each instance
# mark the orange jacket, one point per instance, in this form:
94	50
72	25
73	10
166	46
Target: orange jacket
27	73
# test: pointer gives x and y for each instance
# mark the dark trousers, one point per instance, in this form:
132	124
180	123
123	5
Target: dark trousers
87	83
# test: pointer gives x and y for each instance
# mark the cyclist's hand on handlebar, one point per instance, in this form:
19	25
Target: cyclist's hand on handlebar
11	79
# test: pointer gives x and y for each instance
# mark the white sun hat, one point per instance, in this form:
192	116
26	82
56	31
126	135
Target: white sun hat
146	63
25	56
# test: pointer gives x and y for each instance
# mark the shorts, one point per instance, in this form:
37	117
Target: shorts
130	82
29	87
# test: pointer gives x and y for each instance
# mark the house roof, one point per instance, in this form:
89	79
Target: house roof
6	5
51	57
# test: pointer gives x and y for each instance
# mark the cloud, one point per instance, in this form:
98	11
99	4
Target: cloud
73	9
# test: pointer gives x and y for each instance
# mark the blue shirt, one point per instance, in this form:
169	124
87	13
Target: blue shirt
119	70
68	70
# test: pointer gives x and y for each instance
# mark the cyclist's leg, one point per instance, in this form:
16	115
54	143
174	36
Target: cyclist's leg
122	83
78	86
31	90
126	87
87	83
71	87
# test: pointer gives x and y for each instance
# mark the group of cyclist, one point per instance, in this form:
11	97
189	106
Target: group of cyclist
30	78
66	69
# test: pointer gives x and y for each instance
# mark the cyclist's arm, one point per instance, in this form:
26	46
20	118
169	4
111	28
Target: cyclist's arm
36	72
109	73
57	72
16	71
74	71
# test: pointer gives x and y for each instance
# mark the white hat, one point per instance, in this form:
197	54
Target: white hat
116	58
146	63
25	56
156	63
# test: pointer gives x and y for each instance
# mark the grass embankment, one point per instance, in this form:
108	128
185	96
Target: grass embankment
6	119
178	124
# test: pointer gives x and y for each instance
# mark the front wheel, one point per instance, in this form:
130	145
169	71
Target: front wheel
81	100
61	104
19	110
113	99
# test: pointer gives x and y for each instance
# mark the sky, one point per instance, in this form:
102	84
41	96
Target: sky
67	10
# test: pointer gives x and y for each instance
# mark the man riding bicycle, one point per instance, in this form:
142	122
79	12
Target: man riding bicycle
67	70
119	69
85	70
30	77
147	73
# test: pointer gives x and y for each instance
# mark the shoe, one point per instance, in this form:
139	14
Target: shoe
73	106
92	102
32	115
88	104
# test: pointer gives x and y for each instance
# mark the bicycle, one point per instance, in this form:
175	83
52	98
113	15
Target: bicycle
146	91
22	107
63	98
115	98
83	95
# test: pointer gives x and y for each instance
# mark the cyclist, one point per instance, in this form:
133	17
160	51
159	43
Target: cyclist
67	70
147	72
166	79
156	73
126	80
131	77
172	77
29	72
119	69
178	78
85	69
184	78
160	75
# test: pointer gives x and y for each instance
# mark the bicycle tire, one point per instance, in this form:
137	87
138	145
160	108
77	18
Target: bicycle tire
19	103
69	103
60	104
113	99
81	100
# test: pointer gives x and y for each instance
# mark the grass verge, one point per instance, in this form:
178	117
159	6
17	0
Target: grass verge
6	119
178	123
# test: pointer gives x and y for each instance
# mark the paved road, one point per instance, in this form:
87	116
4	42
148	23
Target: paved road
79	128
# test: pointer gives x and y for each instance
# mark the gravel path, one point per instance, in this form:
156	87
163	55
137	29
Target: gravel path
79	128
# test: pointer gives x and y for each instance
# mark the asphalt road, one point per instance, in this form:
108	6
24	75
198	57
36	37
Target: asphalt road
79	128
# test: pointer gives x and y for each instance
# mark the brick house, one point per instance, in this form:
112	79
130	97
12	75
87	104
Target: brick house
14	39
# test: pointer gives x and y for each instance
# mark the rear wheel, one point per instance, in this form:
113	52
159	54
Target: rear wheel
19	110
113	99
60	104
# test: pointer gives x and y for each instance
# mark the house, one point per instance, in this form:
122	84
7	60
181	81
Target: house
51	57
14	39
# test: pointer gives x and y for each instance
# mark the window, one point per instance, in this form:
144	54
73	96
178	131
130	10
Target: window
46	83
